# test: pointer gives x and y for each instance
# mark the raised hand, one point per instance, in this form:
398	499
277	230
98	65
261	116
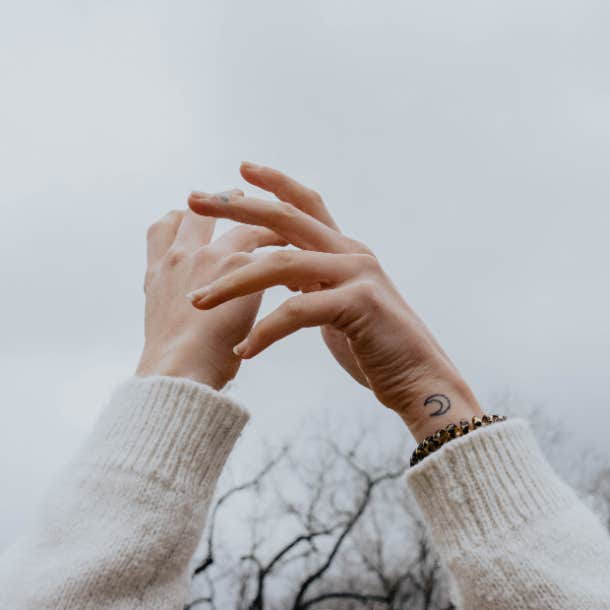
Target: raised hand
181	342
343	287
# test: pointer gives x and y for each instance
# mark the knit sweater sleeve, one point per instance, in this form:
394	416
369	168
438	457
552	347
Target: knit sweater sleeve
511	533
120	525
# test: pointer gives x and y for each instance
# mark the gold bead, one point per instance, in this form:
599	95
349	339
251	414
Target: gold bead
453	430
441	437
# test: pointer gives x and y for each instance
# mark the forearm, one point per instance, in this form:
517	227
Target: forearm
120	525
512	534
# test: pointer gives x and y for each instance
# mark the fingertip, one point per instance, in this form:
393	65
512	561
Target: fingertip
194	206
194	197
252	173
203	304
245	350
195	304
198	202
240	350
249	166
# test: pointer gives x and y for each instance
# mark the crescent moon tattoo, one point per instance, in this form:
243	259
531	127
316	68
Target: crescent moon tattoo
444	404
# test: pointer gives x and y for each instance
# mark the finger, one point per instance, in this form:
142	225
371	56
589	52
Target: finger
161	235
282	268
307	310
194	230
295	226
246	239
197	230
288	189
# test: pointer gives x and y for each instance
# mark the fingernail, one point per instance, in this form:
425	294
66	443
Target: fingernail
240	349
249	165
197	295
199	195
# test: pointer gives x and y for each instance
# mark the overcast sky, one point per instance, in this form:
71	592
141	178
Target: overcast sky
466	142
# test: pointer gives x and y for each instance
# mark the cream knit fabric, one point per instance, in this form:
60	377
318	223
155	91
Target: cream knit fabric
512	534
121	523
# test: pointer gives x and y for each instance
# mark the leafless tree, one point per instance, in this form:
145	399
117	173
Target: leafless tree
342	534
326	527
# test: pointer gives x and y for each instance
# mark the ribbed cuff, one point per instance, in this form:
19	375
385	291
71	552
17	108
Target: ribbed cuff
479	486
174	430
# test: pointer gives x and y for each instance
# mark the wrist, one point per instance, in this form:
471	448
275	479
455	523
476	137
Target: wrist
438	403
168	366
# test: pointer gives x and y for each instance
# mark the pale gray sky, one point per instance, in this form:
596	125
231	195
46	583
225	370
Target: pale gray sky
467	143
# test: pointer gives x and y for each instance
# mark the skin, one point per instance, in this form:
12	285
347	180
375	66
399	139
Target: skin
180	341
367	325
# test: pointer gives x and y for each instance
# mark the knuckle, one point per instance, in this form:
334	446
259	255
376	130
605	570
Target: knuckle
293	308
148	278
281	258
367	262
236	260
368	293
175	256
290	211
315	196
359	247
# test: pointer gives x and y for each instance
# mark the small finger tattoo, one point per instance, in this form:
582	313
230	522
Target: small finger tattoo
224	196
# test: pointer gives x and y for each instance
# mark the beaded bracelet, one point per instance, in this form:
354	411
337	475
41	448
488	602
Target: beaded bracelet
440	437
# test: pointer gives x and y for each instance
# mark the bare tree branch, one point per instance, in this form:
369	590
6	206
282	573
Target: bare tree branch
336	529
207	561
363	598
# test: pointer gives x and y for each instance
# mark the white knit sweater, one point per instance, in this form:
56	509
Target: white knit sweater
511	533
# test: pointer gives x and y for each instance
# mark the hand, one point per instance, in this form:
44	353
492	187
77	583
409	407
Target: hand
343	287
180	341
